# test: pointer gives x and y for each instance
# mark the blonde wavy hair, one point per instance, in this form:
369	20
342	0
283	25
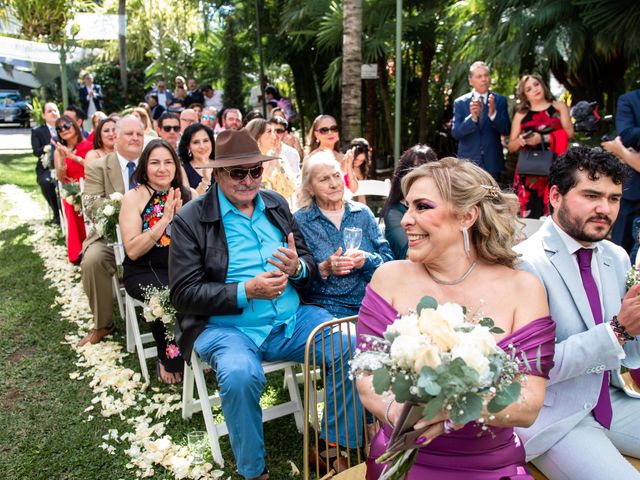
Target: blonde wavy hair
465	185
323	158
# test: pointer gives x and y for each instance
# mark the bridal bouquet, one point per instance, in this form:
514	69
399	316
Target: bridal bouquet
438	358
71	194
106	217
633	277
157	306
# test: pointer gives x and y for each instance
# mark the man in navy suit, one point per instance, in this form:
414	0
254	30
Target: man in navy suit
40	138
479	119
628	126
90	97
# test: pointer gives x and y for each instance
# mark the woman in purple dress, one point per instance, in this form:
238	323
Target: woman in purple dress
461	228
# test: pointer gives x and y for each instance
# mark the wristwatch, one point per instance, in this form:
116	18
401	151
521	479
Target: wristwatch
298	271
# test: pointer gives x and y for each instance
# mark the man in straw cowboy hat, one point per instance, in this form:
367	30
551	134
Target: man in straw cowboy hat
238	266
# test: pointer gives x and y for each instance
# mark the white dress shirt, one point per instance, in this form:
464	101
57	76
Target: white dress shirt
485	101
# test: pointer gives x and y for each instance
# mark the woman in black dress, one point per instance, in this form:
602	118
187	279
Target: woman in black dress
196	150
146	214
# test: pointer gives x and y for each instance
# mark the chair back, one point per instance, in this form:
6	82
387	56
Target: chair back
373	187
315	383
118	247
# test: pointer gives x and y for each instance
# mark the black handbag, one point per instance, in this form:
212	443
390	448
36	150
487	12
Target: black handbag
535	162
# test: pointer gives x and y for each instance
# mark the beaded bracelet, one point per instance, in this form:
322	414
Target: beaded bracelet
620	331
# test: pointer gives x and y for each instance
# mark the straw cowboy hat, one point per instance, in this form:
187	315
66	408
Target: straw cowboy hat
237	147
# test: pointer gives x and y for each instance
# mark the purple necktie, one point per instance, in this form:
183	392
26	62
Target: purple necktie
602	411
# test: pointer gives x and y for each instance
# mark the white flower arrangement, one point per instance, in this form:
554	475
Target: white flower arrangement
438	358
71	194
45	158
107	214
157	306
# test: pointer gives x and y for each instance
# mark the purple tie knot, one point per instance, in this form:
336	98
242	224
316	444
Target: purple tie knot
584	258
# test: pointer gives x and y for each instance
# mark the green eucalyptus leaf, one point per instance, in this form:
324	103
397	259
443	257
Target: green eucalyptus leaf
486	322
381	380
400	388
429	386
432	408
426	302
504	397
467	408
496	330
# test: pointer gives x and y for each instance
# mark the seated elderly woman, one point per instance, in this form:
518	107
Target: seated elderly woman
145	221
323	218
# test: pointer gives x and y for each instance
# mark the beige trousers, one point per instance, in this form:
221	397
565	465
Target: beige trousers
98	267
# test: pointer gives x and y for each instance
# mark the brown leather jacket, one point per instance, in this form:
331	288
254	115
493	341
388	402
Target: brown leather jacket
198	261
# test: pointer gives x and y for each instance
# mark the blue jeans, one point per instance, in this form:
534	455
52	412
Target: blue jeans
237	362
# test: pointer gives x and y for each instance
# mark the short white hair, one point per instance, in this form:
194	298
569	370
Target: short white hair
479	64
321	158
128	117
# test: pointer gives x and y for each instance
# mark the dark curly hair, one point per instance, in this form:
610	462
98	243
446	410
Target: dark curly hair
594	161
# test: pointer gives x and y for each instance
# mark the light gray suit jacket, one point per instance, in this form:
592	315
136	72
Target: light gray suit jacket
583	349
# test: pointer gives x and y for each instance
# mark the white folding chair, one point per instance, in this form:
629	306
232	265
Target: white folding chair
135	340
118	290
63	214
204	402
531	225
373	187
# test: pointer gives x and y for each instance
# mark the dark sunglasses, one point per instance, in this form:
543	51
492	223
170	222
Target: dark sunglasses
325	130
279	131
241	173
64	127
168	128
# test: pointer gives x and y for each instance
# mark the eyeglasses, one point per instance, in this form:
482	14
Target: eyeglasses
63	127
241	173
168	128
325	130
208	117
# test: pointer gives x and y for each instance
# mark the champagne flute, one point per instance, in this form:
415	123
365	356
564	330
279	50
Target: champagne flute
352	238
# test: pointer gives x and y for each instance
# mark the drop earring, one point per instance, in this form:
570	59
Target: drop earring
190	154
465	240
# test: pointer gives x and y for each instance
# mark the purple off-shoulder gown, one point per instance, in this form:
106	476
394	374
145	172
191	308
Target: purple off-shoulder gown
468	453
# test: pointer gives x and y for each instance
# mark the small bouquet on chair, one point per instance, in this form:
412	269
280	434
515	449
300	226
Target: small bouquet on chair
157	306
71	194
107	214
439	358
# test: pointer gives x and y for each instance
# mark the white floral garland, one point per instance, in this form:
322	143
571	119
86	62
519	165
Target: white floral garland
117	389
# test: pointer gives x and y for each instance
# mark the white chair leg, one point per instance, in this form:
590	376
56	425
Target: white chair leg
294	395
187	391
131	345
135	330
119	293
206	409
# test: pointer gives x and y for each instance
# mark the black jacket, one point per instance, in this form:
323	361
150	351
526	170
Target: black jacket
199	258
40	138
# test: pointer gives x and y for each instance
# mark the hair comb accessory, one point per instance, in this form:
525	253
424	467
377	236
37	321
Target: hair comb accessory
492	191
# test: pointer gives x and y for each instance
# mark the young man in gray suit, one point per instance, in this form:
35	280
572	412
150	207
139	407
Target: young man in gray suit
587	421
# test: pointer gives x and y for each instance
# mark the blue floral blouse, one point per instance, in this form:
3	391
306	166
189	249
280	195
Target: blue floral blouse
342	295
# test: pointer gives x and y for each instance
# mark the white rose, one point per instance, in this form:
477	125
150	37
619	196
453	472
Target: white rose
428	357
474	359
108	210
117	196
453	313
479	338
46	149
158	312
433	324
405	325
100	229
405	349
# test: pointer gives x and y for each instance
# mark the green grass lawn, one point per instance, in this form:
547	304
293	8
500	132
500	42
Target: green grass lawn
43	429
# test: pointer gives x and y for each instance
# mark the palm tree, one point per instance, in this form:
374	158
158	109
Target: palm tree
351	65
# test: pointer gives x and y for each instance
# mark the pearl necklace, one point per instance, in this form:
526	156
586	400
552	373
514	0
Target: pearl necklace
455	281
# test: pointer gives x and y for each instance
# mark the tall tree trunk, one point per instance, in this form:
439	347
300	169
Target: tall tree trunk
351	66
386	98
122	41
427	53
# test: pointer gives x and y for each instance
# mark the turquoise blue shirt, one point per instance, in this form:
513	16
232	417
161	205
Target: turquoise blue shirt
251	242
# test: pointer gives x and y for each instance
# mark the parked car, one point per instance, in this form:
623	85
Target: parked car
14	108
